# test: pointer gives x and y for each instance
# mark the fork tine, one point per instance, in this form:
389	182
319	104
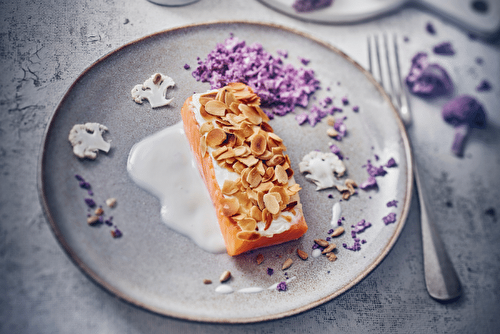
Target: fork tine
404	108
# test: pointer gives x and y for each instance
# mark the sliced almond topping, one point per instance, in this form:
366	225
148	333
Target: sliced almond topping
258	144
346	195
247	235
331	257
229	187
255	213
206	127
230	206
259	259
287	264
251	113
225	276
226	155
92	220
250	161
275	160
247	224
266	155
264	186
266	127
238	167
271	203
331	132
277	150
275	137
254	178
281	174
215	108
205	115
207	281
269	174
321	242
219	151
221	95
295	188
204	100
329	248
230	140
234	107
215	137
303	255
267	217
338	231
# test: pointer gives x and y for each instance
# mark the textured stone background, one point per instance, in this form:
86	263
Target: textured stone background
45	45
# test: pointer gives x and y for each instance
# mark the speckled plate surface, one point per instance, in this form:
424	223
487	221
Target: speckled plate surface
155	268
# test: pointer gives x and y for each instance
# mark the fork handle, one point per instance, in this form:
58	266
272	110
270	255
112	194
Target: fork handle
441	278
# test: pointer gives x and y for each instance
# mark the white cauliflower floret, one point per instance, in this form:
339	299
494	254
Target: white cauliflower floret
154	90
320	168
87	140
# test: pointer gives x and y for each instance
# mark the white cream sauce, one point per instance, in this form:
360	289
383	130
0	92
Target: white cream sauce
226	289
336	213
163	165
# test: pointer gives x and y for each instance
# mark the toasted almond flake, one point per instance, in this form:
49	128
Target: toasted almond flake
264	186
225	276
226	155
219	151
290	206
277	151
249	161
251	113
234	107
295	188
254	178
331	256
211	94
329	248
281	174
238	167
330	120
215	108
275	137
332	132
255	213
249	236
247	224
221	95
271	203
111	202
303	255
215	137
266	155
229	187
206	116
321	242
287	264
205	99
338	231
230	206
206	127
207	281
99	212
259	259
258	144
346	195
267	218
275	160
92	220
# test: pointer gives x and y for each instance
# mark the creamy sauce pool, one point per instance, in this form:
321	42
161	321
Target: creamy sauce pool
163	165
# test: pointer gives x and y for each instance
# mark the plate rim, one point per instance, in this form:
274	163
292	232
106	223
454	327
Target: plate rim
94	277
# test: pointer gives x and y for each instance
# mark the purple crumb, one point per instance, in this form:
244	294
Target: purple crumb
427	80
355	108
281	286
116	233
90	192
330	231
484	86
374	170
336	150
282	53
376	157
330	196
391	163
270	271
339	222
390	218
328	238
368	184
90	202
430	28
479	61
393	203
363	241
304	61
406	39
79	178
345	101
304	6
445	49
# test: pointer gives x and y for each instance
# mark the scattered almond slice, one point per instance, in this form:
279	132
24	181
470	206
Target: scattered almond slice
287	264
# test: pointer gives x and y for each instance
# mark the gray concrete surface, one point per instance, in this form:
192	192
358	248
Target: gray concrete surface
45	45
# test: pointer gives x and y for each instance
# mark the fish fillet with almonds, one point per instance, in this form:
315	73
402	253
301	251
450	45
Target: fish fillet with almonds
244	167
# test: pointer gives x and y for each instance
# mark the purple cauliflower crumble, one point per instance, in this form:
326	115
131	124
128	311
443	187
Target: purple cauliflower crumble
390	218
90	202
391	163
358	228
427	80
445	49
304	6
371	182
281	286
430	28
336	150
187	67
393	203
280	86
374	170
484	86
270	271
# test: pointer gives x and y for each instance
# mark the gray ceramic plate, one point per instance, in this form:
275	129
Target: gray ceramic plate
155	268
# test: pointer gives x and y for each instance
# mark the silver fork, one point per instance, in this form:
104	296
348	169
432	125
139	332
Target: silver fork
441	279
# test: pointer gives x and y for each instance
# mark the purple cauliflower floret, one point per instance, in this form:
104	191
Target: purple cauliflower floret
463	113
427	80
484	86
370	183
